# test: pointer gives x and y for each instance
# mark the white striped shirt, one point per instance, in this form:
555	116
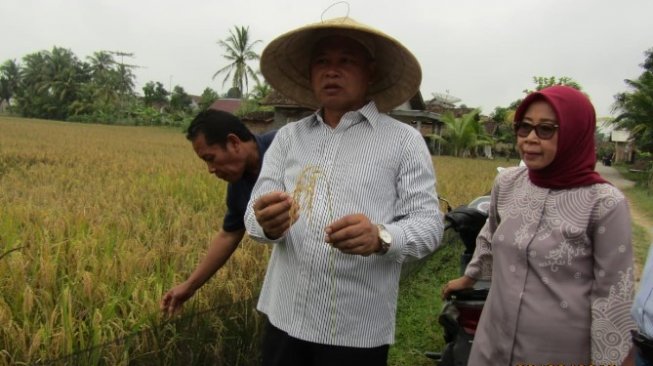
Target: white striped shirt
369	164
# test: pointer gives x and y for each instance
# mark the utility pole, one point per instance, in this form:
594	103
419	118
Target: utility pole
125	71
170	92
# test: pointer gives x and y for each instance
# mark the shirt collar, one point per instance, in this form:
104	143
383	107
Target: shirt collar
369	112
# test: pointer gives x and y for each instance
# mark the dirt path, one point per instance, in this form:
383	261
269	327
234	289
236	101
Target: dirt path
612	175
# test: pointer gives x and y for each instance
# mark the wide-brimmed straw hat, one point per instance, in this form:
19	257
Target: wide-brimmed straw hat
285	63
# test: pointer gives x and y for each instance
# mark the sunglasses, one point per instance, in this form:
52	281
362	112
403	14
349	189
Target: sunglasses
544	131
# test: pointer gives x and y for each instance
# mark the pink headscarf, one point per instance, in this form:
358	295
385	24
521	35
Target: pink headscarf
573	165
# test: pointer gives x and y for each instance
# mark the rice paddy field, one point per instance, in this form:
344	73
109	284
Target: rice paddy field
97	222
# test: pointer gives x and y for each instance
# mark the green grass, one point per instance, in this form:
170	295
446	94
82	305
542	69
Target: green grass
419	305
641	244
642	200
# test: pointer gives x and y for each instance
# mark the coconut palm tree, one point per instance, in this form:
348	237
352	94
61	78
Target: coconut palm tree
238	51
463	133
261	90
635	107
65	79
9	80
104	88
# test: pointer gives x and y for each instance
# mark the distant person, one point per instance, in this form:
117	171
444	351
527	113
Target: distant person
558	243
607	159
233	154
330	291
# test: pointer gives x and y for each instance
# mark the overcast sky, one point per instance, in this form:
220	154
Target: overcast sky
484	52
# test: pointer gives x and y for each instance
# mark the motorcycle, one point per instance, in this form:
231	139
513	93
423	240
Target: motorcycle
462	309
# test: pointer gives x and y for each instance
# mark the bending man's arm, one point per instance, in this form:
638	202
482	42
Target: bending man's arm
220	250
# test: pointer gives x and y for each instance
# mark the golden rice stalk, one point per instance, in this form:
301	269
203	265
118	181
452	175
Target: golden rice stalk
304	191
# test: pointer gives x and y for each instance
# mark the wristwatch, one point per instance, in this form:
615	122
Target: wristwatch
385	238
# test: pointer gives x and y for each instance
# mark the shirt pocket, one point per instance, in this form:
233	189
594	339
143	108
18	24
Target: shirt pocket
370	188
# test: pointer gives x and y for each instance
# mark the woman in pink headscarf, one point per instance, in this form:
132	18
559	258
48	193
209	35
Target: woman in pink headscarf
558	244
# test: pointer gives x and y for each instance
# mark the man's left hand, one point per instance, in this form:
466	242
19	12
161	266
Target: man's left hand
354	234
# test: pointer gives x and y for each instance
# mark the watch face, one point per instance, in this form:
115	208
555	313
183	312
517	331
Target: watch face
385	236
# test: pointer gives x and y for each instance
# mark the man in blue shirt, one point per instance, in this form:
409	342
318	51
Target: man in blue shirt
232	153
642	313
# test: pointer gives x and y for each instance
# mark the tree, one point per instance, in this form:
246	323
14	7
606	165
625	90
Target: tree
66	77
238	51
261	90
104	77
500	114
635	107
233	93
30	98
208	97
504	118
9	80
542	82
504	137
102	64
154	93
50	83
108	92
464	133
180	100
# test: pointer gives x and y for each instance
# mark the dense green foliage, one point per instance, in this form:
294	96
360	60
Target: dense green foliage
463	135
58	85
635	107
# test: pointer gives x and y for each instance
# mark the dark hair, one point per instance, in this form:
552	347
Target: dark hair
216	125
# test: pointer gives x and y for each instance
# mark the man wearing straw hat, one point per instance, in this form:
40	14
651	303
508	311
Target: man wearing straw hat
346	195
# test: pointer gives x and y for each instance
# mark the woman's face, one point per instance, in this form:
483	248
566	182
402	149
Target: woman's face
537	152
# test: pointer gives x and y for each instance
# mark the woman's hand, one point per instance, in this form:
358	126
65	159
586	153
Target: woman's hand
457	284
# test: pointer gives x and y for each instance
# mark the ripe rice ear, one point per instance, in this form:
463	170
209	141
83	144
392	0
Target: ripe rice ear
304	191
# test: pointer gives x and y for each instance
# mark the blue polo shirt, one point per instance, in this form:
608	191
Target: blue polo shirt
238	193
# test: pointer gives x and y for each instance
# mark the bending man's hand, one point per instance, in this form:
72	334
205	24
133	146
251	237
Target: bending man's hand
174	299
273	213
354	234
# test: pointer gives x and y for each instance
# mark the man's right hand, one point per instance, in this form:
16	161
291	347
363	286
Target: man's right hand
273	213
174	299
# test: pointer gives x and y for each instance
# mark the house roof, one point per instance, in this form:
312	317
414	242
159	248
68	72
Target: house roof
258	116
417	102
230	105
274	98
411	115
620	136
